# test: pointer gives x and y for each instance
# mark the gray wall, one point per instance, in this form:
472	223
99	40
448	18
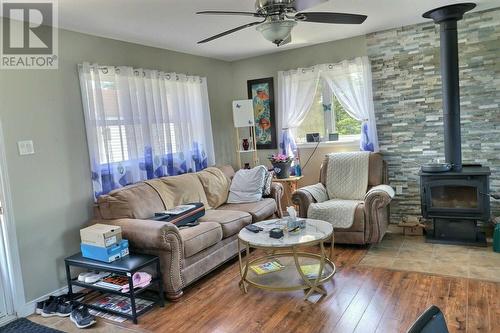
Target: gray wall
407	93
269	65
51	191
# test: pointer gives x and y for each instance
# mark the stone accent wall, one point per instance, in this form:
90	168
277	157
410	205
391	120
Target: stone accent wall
407	93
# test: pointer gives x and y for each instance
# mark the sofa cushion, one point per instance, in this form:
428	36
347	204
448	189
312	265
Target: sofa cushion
200	237
216	186
179	190
227	170
259	210
231	221
137	201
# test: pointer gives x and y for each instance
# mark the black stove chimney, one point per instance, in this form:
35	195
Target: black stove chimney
447	18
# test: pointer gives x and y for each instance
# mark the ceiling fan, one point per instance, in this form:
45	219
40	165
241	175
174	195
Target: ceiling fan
280	16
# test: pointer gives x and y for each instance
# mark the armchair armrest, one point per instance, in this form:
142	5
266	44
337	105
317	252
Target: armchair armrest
159	238
303	199
377	200
277	194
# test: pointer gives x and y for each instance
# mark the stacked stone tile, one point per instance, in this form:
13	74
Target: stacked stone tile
408	107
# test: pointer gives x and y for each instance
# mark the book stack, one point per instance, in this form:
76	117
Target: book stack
103	242
114	282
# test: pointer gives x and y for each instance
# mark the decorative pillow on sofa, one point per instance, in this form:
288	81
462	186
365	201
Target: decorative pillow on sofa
266	190
247	185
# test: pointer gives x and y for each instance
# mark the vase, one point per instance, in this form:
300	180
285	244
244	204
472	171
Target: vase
245	144
282	169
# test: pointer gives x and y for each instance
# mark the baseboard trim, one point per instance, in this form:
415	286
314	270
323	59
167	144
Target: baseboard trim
7	319
29	307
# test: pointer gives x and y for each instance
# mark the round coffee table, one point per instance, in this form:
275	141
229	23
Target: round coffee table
300	270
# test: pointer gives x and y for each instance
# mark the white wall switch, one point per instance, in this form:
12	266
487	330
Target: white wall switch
399	189
25	147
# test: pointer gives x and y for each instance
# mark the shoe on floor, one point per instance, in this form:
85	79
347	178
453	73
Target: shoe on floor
40	305
57	307
81	317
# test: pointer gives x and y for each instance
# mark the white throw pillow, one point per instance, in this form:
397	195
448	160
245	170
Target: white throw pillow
247	185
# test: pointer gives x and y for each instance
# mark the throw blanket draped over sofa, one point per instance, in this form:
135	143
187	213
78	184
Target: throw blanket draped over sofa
345	187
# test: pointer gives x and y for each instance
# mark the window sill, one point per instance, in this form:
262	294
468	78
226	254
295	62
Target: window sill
346	140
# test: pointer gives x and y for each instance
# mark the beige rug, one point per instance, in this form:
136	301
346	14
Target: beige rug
411	253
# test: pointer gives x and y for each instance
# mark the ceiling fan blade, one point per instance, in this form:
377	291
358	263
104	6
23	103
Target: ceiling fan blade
216	12
301	5
326	17
241	27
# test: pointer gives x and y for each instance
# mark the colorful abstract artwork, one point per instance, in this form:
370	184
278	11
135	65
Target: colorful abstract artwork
261	91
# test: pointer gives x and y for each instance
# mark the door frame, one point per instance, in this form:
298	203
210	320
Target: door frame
9	254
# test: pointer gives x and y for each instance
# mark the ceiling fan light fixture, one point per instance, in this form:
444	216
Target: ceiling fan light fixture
276	31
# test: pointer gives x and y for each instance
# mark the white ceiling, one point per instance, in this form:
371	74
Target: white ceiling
173	24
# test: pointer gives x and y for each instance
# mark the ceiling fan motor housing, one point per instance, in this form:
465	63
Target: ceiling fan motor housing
274	7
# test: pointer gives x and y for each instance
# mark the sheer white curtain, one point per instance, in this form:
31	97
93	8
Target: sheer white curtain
144	124
296	91
351	82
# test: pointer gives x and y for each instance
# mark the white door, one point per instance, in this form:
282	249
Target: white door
3	298
5	294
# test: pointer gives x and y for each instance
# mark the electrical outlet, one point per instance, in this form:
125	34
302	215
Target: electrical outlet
25	147
399	189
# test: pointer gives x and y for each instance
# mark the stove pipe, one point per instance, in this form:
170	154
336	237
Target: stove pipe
447	18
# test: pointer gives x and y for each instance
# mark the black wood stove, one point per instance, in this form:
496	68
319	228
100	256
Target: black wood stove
459	197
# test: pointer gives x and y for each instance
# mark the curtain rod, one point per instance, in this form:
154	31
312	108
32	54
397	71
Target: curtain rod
104	69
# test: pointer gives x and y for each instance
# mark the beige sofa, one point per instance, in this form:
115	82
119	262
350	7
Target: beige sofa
371	218
186	254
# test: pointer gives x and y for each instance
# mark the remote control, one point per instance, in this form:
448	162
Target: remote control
253	228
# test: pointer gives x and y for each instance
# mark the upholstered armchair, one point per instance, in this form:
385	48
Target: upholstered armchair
371	217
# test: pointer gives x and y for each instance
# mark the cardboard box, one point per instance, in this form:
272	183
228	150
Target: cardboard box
102	235
106	254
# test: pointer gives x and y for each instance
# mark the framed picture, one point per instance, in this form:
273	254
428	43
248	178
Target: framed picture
261	92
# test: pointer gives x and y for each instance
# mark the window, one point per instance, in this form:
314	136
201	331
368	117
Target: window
144	124
114	128
324	121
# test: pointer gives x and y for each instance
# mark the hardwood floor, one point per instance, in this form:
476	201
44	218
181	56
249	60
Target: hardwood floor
360	299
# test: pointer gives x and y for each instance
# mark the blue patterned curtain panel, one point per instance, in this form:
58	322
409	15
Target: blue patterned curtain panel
144	124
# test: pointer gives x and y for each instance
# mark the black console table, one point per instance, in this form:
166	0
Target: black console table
126	266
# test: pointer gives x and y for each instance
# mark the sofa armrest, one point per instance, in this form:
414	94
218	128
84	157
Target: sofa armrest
303	199
159	238
277	194
149	234
377	200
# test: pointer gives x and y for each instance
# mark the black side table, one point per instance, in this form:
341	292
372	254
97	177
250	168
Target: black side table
126	266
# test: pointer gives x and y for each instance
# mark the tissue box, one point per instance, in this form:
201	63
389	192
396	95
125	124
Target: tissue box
105	254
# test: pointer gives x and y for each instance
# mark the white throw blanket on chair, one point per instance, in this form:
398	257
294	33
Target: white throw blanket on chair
346	184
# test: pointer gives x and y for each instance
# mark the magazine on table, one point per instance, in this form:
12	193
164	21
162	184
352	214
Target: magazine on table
267	267
311	271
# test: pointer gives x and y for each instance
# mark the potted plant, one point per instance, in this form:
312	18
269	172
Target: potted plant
281	165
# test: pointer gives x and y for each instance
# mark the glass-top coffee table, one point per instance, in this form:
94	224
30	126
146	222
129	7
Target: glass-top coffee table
298	269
